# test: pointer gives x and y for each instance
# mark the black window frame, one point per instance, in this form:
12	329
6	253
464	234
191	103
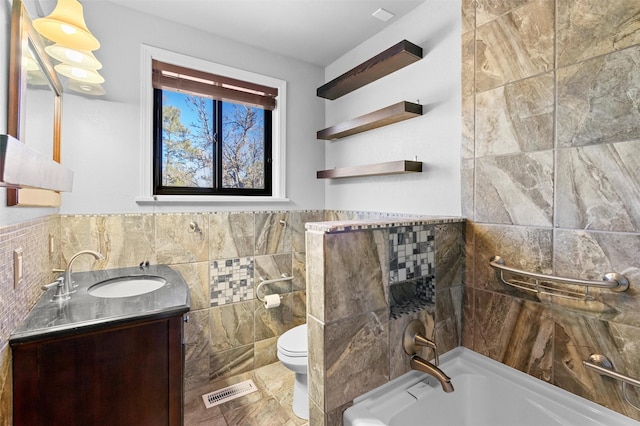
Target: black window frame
159	189
220	89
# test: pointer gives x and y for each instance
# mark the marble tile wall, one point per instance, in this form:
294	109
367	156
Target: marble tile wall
550	147
355	344
222	257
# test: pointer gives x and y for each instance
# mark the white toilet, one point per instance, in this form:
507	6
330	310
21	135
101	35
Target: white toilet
292	352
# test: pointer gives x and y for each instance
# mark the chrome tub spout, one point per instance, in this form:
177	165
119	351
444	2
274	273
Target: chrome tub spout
420	364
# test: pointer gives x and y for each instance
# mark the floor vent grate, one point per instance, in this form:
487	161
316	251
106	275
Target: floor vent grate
230	392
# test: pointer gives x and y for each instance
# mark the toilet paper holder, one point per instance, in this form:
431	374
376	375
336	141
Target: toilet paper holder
263	281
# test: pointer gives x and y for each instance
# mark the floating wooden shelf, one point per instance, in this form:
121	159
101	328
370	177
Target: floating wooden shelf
392	59
382	117
390	168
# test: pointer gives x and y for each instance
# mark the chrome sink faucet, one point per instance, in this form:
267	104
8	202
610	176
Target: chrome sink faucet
68	286
414	338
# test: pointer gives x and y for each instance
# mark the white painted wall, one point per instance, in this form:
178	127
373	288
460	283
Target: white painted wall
101	138
434	138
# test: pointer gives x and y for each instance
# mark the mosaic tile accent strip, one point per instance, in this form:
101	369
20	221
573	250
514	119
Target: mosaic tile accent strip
411	252
337	226
231	280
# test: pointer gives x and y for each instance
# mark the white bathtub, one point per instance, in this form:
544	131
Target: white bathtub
486	393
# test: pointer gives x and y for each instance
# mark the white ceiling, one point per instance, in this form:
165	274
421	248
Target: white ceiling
315	31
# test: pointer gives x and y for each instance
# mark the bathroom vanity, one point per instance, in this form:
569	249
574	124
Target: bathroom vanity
103	360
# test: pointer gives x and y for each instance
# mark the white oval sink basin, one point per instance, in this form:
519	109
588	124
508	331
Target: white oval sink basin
127	286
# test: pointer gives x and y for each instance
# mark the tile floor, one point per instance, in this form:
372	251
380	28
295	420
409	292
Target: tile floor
270	405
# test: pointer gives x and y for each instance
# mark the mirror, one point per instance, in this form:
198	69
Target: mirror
35	104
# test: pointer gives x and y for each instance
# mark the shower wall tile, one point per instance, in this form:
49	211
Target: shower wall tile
514	332
356	341
467	172
449	260
580	216
231	234
468	52
273	233
515	189
577	337
361	274
598	100
590	255
517	117
468	319
467	149
594	190
182	238
398	358
515	46
589	28
448	329
488	10
524	248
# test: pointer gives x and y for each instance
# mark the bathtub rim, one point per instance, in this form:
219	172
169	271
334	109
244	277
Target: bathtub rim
590	409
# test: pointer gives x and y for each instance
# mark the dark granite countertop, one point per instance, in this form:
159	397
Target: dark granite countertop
84	312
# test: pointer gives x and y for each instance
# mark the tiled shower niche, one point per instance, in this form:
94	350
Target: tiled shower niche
411	269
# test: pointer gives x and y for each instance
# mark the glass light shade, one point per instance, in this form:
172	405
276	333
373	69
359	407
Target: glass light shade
85	88
65	25
81	74
81	58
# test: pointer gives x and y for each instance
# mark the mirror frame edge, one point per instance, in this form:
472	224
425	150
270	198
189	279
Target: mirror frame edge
23	32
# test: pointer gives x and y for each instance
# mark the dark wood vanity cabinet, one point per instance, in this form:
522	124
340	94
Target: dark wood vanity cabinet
129	374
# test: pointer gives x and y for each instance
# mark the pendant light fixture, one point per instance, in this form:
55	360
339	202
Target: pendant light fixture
66	26
81	74
86	88
73	47
81	58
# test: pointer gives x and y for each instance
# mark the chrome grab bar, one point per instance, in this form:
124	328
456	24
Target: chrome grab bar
547	284
603	366
263	281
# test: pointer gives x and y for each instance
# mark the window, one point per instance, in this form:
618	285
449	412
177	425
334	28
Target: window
210	130
212	134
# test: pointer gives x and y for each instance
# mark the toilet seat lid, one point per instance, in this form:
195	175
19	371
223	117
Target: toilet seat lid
294	341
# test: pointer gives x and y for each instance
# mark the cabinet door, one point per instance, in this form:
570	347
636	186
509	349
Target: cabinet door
124	376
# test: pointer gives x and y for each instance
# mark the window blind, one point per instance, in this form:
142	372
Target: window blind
200	83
